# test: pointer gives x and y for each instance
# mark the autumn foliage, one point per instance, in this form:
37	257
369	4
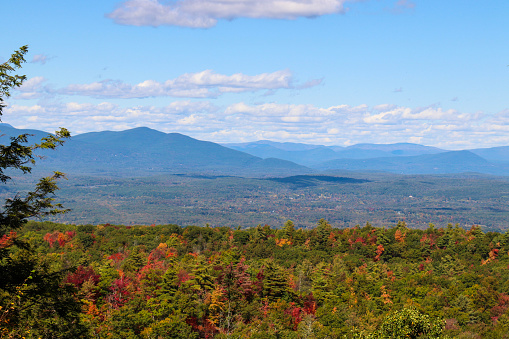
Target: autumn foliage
203	282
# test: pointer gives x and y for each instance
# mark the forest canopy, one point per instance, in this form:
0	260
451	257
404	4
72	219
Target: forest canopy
265	282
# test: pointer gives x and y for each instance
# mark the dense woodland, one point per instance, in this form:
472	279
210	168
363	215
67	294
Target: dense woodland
168	281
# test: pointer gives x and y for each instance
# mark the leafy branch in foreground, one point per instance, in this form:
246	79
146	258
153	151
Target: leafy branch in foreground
34	301
8	82
19	155
37	203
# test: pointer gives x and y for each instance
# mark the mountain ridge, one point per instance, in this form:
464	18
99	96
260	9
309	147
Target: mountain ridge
143	151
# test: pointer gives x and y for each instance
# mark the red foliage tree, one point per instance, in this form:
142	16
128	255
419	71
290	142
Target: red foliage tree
7	239
310	304
379	250
121	291
81	275
51	238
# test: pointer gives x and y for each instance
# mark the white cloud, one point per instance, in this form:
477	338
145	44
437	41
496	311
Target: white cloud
284	112
40	59
389	114
32	88
86	117
192	119
334	125
32	84
206	84
384	107
35	109
206	13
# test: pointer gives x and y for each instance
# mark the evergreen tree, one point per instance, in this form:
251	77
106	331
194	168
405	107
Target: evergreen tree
323	232
275	283
288	229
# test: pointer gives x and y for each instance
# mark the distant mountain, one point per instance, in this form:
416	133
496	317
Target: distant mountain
365	151
7	131
494	154
285	146
406	158
143	151
441	163
311	155
302	154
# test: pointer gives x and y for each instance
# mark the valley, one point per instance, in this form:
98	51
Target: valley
345	200
143	176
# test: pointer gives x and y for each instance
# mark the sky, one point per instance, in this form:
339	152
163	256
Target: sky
330	72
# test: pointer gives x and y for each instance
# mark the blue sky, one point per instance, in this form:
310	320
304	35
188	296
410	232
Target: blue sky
332	72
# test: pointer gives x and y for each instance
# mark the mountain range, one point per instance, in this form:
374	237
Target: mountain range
143	151
313	155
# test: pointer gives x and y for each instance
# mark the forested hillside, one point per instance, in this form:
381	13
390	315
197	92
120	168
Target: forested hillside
203	282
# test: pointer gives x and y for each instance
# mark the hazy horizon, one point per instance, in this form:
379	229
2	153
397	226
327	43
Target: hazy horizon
263	140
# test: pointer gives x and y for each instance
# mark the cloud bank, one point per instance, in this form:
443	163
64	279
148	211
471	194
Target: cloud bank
335	125
206	13
206	84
